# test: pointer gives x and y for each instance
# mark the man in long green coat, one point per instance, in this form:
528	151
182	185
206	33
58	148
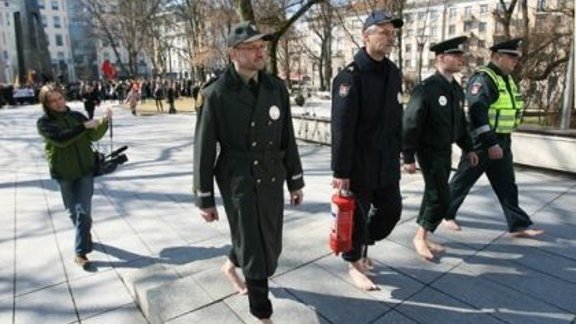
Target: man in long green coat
245	139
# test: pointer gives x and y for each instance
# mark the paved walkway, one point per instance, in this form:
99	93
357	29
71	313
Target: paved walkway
143	216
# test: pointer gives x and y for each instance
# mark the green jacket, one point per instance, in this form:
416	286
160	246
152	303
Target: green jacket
68	144
247	143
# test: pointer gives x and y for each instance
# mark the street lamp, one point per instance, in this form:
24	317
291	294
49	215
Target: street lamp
420	42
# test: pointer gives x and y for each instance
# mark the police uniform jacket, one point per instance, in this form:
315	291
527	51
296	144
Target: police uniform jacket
480	94
257	154
367	123
434	118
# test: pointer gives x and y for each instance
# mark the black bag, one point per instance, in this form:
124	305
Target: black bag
107	163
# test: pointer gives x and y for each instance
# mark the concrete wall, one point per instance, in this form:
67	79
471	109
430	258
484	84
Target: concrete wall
535	150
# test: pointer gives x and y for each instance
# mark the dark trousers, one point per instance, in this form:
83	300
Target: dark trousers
77	197
259	303
501	175
435	168
377	212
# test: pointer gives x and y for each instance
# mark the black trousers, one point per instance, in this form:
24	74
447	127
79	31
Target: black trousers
90	113
501	175
435	168
259	303
377	213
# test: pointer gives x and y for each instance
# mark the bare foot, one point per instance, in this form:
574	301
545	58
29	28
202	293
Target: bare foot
451	224
422	249
527	233
230	271
367	264
266	321
359	278
435	247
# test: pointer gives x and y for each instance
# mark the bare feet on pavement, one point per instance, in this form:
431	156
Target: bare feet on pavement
266	321
230	271
367	264
359	277
451	224
435	247
422	248
527	233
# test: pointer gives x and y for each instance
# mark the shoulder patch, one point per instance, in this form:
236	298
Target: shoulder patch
475	88
344	90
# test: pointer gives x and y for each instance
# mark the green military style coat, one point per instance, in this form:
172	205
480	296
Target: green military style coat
247	143
434	118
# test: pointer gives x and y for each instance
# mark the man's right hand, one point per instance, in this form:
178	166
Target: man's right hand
495	152
341	184
209	214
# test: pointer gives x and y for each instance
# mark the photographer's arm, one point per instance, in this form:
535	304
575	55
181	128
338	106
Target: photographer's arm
99	132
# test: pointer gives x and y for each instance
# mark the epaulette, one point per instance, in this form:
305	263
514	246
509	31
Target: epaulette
352	67
210	81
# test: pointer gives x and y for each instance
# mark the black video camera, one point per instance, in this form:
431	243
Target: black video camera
107	163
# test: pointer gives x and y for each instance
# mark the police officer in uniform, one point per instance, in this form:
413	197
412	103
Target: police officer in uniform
366	140
247	113
433	120
495	110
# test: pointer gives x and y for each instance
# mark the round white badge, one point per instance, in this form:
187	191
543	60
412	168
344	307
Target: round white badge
399	97
274	112
442	101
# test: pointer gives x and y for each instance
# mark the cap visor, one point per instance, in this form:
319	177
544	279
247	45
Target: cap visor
264	37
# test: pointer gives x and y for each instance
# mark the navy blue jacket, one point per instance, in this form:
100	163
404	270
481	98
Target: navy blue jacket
367	123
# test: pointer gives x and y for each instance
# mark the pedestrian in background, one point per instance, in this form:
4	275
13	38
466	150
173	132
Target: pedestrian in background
366	140
68	137
246	113
433	120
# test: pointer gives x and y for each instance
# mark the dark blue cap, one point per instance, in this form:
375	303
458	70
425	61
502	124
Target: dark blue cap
245	32
452	45
381	17
511	47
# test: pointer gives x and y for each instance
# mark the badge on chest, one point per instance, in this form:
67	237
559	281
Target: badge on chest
442	100
274	112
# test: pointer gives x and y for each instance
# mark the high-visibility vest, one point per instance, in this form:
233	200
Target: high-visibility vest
505	114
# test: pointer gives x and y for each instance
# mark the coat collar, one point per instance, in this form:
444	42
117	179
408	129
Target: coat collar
444	82
366	63
235	82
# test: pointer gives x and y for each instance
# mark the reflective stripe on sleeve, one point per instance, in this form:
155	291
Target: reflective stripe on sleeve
482	129
204	194
298	176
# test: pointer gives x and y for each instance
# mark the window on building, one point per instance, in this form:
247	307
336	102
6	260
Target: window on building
408	18
498	27
483	9
468	11
421	16
452	29
408	48
7	19
54	4
453	12
431	62
482	27
41	4
467	26
59	41
57	23
481	43
408	32
408	63
433	31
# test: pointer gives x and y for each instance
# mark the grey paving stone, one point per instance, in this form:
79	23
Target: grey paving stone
393	317
216	313
129	314
110	293
50	305
173	299
215	284
141	281
502	302
540	286
394	287
6	310
333	298
432	306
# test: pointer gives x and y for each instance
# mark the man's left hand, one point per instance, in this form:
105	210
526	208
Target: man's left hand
472	158
296	197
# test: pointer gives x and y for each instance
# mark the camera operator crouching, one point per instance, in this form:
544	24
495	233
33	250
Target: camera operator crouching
68	137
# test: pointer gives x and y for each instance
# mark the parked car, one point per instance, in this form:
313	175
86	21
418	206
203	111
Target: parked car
24	95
